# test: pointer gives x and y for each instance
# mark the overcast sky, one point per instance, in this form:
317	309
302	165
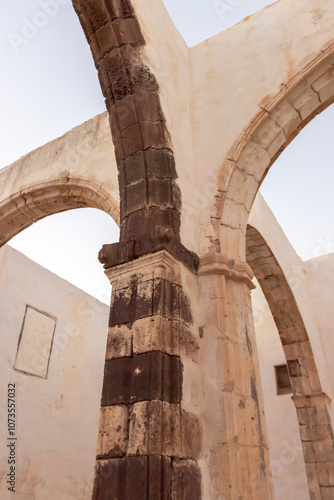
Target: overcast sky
49	85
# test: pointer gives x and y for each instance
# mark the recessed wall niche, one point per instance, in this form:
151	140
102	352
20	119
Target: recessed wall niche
35	343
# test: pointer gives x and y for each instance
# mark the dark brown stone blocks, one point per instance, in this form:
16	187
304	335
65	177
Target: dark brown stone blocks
165	299
124	251
141	412
119	9
133	478
154	135
112	22
160	163
140	135
147	478
148	221
142	106
142	142
135	168
146	377
102	11
142	79
95	14
131	140
106	40
114	66
114	76
121	87
150	298
134	197
139	78
151	163
186	480
128	32
164	192
137	123
150	193
123	113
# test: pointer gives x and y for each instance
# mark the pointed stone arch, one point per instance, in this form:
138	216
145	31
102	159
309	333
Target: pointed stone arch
311	402
268	134
24	208
73	171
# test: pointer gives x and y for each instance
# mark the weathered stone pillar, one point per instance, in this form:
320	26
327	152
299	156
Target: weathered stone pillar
148	443
235	441
317	440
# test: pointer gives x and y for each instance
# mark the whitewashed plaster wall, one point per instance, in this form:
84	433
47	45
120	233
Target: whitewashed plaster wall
57	418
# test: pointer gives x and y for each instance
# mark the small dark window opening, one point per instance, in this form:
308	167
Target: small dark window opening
283	382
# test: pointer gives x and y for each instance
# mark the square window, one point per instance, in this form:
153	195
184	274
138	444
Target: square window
283	382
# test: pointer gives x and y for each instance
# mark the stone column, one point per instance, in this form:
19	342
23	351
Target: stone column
235	443
148	443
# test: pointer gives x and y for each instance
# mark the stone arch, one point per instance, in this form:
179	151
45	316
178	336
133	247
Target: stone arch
73	171
25	207
310	401
278	122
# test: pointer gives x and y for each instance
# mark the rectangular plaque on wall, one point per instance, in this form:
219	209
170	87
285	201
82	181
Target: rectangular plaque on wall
35	343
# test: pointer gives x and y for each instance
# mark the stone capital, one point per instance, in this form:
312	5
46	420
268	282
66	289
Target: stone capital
160	265
216	263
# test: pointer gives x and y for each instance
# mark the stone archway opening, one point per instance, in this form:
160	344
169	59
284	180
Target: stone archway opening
278	122
67	244
22	209
311	403
298	189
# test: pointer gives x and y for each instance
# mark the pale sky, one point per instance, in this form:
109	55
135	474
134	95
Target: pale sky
49	85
